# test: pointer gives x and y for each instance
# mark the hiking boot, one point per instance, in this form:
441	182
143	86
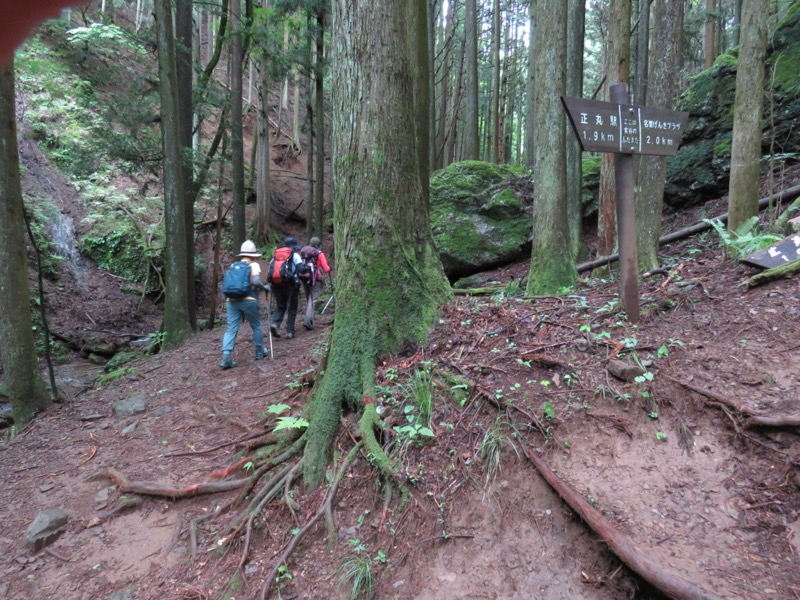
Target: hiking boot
289	335
260	353
274	329
308	324
227	362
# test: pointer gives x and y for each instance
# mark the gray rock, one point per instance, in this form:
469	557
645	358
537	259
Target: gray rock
623	370
132	405
126	594
45	528
161	411
129	429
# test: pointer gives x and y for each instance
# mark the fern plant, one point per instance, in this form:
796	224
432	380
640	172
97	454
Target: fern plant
744	240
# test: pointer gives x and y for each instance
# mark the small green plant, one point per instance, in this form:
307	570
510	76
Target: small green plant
282	578
661	436
355	571
494	441
115	374
415	428
290	423
548	410
744	240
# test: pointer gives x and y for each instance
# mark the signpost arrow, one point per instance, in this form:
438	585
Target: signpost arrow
625	130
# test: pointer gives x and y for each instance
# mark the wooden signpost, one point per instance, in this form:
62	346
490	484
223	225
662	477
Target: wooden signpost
625	130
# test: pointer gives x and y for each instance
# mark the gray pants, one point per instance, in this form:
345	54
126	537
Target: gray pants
312	295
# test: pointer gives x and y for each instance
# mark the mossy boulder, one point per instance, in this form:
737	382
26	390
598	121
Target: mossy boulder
480	216
700	170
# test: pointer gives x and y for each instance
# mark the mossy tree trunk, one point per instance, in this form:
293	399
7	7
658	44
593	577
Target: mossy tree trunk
23	380
662	91
390	281
177	322
747	111
552	265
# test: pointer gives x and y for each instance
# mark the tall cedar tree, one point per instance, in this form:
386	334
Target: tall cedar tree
237	133
618	67
662	90
552	265
177	323
747	111
24	385
390	281
472	146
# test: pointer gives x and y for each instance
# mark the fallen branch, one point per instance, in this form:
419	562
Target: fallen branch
772	421
671	584
713	396
152	488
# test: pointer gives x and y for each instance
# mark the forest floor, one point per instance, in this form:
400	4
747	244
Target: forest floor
668	460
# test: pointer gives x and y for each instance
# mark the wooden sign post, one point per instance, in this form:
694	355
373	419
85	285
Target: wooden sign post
625	130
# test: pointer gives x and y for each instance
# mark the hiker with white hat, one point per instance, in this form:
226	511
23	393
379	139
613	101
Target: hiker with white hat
241	285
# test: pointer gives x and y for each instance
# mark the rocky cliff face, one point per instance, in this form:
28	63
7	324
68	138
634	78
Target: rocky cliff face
701	168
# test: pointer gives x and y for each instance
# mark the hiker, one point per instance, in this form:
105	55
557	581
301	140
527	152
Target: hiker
314	258
241	305
285	286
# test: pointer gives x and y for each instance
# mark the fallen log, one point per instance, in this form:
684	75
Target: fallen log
671	584
785	270
785	195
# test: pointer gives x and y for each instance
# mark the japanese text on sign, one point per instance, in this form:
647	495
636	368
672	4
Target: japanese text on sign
784	251
610	127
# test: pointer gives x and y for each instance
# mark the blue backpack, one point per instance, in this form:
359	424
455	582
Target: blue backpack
236	283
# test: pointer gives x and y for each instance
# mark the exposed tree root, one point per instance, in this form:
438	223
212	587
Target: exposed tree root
669	583
153	488
326	510
369	421
754	419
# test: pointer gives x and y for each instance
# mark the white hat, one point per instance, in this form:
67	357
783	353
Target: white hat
249	249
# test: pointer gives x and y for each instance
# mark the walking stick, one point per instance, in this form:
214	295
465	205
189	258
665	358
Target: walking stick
269	328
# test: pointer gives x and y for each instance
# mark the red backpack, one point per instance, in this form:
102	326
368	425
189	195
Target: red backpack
281	267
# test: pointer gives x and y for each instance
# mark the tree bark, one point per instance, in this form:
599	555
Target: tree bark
530	117
576	18
552	267
25	387
319	124
390	281
493	123
177	323
237	133
642	54
747	111
183	51
710	34
618	66
263	180
663	90
471	136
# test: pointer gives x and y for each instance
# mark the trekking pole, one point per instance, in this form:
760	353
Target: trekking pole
269	328
324	308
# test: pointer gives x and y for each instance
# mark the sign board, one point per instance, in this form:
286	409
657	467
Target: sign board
777	254
625	129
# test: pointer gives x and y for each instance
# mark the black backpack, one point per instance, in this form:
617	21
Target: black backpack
236	283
